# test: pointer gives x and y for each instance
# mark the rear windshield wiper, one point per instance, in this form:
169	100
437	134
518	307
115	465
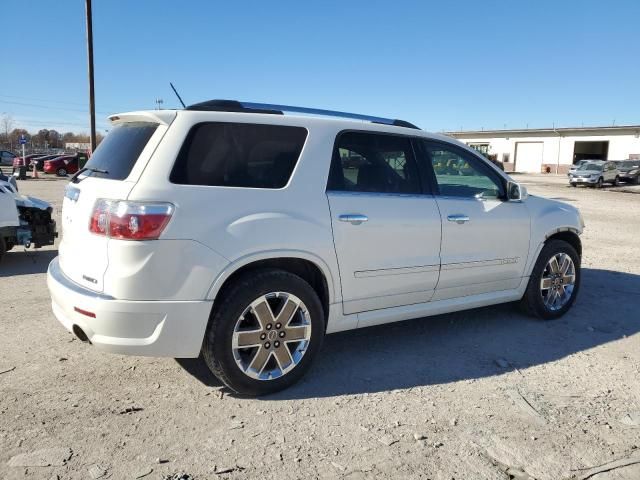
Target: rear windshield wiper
74	179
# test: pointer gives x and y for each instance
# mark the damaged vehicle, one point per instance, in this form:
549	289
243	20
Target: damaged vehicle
24	220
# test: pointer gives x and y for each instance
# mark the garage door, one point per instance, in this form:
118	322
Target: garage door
529	157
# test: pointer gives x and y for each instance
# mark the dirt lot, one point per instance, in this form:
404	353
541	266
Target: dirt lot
485	394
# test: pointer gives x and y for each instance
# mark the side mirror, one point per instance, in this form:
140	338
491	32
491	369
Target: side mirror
516	192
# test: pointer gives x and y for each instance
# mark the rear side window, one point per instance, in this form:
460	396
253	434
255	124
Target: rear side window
373	163
119	151
239	155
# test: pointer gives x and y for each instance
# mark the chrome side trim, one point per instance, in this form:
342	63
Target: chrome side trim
396	271
55	272
481	263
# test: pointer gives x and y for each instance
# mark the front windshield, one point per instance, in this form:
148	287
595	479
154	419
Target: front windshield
590	166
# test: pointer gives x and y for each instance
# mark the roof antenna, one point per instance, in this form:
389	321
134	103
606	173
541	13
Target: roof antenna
177	95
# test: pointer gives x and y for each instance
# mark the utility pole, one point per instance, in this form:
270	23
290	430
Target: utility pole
92	100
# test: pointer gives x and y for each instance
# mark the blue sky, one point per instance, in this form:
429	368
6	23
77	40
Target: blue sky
441	65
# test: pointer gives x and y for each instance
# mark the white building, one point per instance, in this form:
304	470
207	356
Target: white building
554	149
77	146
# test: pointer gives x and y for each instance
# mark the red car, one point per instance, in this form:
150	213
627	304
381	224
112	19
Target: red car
17	161
63	165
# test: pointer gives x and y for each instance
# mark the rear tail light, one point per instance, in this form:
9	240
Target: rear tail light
130	220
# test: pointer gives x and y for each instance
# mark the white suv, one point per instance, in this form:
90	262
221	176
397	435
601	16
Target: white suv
245	234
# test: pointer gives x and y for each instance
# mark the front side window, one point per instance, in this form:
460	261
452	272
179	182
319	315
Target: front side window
371	162
239	155
460	174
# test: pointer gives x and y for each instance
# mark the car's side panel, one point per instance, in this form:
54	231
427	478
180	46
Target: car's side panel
391	259
547	218
245	224
487	253
437	307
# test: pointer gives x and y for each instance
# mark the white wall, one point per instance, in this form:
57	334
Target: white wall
620	146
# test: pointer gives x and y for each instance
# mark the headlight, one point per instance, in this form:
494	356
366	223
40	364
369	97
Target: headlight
633	172
595	175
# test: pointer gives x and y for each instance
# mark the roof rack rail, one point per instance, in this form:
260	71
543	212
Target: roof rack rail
251	107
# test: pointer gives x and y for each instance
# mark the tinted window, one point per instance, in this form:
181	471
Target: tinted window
239	155
119	151
370	162
460	174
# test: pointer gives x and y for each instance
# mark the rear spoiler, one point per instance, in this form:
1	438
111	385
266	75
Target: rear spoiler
163	117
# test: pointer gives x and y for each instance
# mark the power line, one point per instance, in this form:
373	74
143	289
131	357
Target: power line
48	107
64	102
43	100
55	123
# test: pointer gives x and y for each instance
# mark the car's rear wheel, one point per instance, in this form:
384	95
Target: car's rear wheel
266	332
3	248
62	172
554	281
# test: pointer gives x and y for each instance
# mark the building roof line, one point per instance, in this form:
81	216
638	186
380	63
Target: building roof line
609	128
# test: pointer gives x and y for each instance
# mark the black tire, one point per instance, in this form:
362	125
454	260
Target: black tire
532	302
217	346
62	172
600	182
3	248
573	184
616	181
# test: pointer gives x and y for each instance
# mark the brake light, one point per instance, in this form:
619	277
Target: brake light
125	220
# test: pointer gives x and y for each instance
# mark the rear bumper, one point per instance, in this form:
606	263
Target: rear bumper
150	328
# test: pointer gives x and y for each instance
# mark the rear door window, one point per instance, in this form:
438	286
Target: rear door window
373	162
119	151
239	155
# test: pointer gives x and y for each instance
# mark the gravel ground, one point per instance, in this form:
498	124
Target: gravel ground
484	394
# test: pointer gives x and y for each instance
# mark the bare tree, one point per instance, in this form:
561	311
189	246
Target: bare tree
6	124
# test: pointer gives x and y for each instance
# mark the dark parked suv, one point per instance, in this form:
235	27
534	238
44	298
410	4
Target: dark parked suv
629	170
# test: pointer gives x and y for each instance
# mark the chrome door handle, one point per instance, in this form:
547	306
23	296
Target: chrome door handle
354	219
458	218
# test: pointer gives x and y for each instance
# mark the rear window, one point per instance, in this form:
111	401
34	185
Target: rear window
239	155
119	151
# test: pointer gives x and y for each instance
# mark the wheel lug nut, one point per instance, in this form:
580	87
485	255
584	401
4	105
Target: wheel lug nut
263	336
276	344
269	326
267	345
278	326
282	334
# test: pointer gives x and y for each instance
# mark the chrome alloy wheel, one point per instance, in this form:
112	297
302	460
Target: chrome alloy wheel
271	336
558	281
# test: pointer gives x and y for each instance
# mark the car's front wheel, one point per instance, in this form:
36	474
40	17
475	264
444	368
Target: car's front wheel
554	282
616	181
265	333
62	172
599	183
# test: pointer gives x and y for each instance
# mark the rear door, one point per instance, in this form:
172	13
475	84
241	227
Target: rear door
122	155
485	239
386	226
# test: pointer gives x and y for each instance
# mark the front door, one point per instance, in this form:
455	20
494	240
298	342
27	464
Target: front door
386	227
485	239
